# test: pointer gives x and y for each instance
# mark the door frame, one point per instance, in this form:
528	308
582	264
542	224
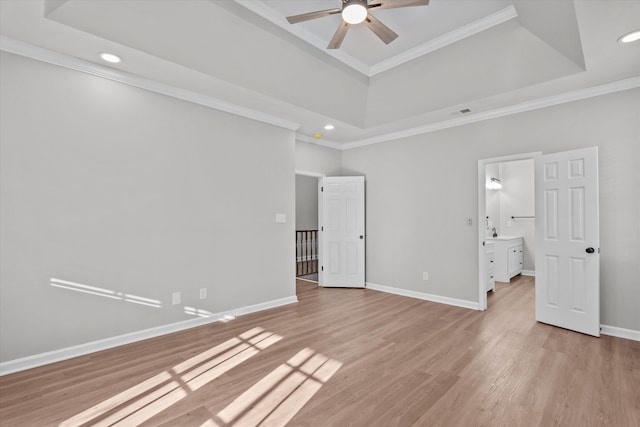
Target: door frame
482	213
319	177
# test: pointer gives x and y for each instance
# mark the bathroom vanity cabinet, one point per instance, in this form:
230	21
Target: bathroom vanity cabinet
489	256
507	257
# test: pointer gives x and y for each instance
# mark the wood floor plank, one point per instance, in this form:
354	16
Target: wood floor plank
343	357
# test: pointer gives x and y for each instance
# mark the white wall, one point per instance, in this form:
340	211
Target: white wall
318	159
517	198
306	202
111	186
421	190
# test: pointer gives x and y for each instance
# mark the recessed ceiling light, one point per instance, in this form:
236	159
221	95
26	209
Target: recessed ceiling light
329	127
630	37
110	57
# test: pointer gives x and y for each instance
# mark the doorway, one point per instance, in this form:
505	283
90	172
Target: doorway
567	290
509	223
307	238
506	220
340	214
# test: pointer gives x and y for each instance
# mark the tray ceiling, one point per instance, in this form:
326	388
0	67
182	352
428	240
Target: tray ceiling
484	55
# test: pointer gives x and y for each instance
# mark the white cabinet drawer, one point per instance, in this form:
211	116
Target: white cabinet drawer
490	263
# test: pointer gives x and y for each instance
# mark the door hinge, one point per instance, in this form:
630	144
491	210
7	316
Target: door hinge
322	268
321	189
598	250
322	228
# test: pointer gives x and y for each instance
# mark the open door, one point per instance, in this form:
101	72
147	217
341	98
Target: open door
342	231
567	240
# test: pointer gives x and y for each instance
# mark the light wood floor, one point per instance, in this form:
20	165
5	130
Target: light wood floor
346	357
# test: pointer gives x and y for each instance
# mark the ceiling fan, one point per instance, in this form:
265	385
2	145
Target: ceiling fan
356	12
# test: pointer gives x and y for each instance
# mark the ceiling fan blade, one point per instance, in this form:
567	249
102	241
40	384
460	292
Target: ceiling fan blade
312	15
391	4
338	37
385	33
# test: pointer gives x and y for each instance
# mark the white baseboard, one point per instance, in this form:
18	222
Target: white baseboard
427	297
41	359
528	273
614	331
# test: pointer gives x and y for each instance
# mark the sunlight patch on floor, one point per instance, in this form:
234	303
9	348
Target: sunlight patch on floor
278	397
147	399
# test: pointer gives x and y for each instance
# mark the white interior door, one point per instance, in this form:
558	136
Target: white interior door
567	240
342	231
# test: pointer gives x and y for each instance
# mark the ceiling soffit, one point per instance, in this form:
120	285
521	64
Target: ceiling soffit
553	21
206	37
498	60
230	43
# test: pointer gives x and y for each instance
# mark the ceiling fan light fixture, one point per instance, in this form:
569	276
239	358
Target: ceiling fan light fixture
354	11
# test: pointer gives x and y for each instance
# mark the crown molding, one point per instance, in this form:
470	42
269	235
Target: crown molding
321	142
261	9
575	95
28	50
451	37
17	47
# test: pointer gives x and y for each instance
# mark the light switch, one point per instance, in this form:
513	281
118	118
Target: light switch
281	218
175	298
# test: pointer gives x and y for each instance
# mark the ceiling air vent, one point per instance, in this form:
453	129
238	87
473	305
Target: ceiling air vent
465	110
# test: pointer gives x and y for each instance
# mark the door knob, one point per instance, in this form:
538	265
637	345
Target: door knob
361	236
590	250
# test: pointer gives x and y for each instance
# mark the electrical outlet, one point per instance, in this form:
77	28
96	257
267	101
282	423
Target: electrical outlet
203	293
175	298
425	275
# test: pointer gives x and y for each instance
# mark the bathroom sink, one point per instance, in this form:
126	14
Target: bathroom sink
504	238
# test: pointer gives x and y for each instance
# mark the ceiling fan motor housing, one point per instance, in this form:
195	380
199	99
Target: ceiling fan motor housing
346	3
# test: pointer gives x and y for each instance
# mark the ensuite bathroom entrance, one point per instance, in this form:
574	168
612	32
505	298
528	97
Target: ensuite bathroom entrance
538	216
